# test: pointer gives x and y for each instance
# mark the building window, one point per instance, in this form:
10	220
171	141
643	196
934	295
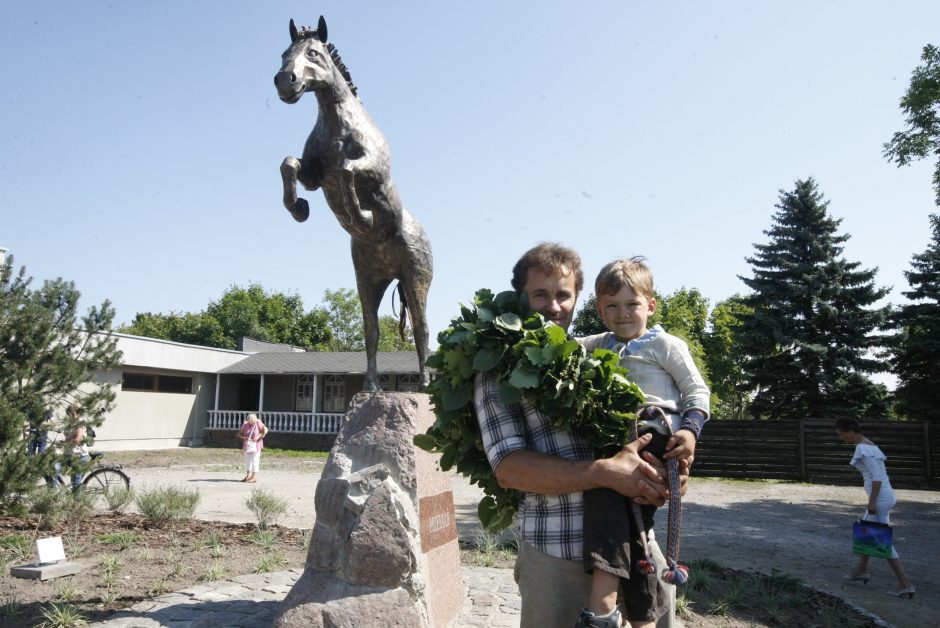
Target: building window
138	381
334	393
157	383
409	383
303	393
386	381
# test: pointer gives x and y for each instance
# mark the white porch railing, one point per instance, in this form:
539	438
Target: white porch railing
295	422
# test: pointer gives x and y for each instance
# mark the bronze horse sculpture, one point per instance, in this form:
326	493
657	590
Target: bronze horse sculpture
347	156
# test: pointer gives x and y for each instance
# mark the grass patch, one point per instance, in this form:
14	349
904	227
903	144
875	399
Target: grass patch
109	598
62	616
15	549
216	571
160	587
66	592
109	564
10	608
123	540
212	539
296	453
489	550
270	562
263	538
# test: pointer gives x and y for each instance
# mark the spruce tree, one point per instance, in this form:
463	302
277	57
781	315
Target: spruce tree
917	350
809	337
47	356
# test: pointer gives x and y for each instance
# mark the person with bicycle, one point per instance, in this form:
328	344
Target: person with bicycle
77	450
39	440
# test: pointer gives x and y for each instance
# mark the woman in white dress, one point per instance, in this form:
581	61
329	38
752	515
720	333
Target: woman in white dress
870	462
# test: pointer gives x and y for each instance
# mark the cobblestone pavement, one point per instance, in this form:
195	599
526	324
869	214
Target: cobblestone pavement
251	601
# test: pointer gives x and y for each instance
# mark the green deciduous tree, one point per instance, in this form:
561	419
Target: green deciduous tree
345	320
917	349
921	104
48	354
587	321
725	360
191	328
241	312
809	338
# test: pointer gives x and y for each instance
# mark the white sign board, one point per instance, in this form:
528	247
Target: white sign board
49	550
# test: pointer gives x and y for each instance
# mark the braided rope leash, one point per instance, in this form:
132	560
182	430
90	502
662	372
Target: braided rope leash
675	572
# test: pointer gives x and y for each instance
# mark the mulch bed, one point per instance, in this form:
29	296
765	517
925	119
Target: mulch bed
155	561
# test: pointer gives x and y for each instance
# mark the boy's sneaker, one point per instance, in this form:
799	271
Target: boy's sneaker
587	619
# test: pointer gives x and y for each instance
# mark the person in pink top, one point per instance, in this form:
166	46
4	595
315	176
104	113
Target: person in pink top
252	434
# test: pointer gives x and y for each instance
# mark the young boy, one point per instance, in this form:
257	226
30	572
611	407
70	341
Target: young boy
662	367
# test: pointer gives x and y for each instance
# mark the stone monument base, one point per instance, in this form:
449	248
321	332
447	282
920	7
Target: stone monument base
46	571
384	547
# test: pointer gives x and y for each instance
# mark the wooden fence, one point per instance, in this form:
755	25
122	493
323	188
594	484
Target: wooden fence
808	450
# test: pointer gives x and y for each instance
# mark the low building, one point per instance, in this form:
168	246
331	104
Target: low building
171	394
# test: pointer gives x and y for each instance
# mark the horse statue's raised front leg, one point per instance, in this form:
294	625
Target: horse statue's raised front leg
291	169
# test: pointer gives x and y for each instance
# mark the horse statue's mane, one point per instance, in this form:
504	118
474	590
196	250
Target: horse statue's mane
306	32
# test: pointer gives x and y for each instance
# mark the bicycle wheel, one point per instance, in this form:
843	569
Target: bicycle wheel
102	481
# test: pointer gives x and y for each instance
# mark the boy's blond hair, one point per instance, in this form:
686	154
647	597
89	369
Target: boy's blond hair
630	272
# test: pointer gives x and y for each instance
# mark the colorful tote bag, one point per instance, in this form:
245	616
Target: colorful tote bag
871	538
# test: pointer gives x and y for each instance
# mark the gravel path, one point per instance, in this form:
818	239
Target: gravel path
799	529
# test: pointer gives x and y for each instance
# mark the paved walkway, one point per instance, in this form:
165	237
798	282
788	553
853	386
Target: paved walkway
251	601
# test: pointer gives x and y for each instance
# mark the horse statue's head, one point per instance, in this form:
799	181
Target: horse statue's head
310	63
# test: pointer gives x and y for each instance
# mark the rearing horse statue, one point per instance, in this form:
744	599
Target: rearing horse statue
348	157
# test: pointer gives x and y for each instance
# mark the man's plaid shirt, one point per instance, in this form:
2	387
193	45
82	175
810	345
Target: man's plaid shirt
551	523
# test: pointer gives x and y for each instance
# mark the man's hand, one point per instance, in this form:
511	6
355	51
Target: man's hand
682	446
641	478
660	467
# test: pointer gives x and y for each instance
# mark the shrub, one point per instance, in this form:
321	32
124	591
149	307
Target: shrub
119	498
162	504
266	506
79	505
48	506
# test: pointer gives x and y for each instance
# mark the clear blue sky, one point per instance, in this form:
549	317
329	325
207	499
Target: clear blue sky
140	141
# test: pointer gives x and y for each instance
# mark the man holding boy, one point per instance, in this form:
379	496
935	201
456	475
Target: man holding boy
553	467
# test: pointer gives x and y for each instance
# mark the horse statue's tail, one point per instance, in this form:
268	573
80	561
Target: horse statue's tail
403	311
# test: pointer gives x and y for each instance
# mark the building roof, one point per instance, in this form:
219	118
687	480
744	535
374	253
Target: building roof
393	362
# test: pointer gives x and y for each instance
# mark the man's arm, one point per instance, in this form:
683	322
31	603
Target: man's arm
625	472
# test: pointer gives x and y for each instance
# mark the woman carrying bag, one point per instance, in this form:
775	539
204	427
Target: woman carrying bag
870	462
252	434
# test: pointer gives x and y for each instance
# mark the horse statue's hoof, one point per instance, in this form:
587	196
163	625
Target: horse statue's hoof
301	210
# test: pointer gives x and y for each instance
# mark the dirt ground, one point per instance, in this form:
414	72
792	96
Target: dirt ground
803	530
798	529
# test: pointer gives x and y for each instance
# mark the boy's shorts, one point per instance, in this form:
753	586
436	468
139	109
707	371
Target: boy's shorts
607	515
